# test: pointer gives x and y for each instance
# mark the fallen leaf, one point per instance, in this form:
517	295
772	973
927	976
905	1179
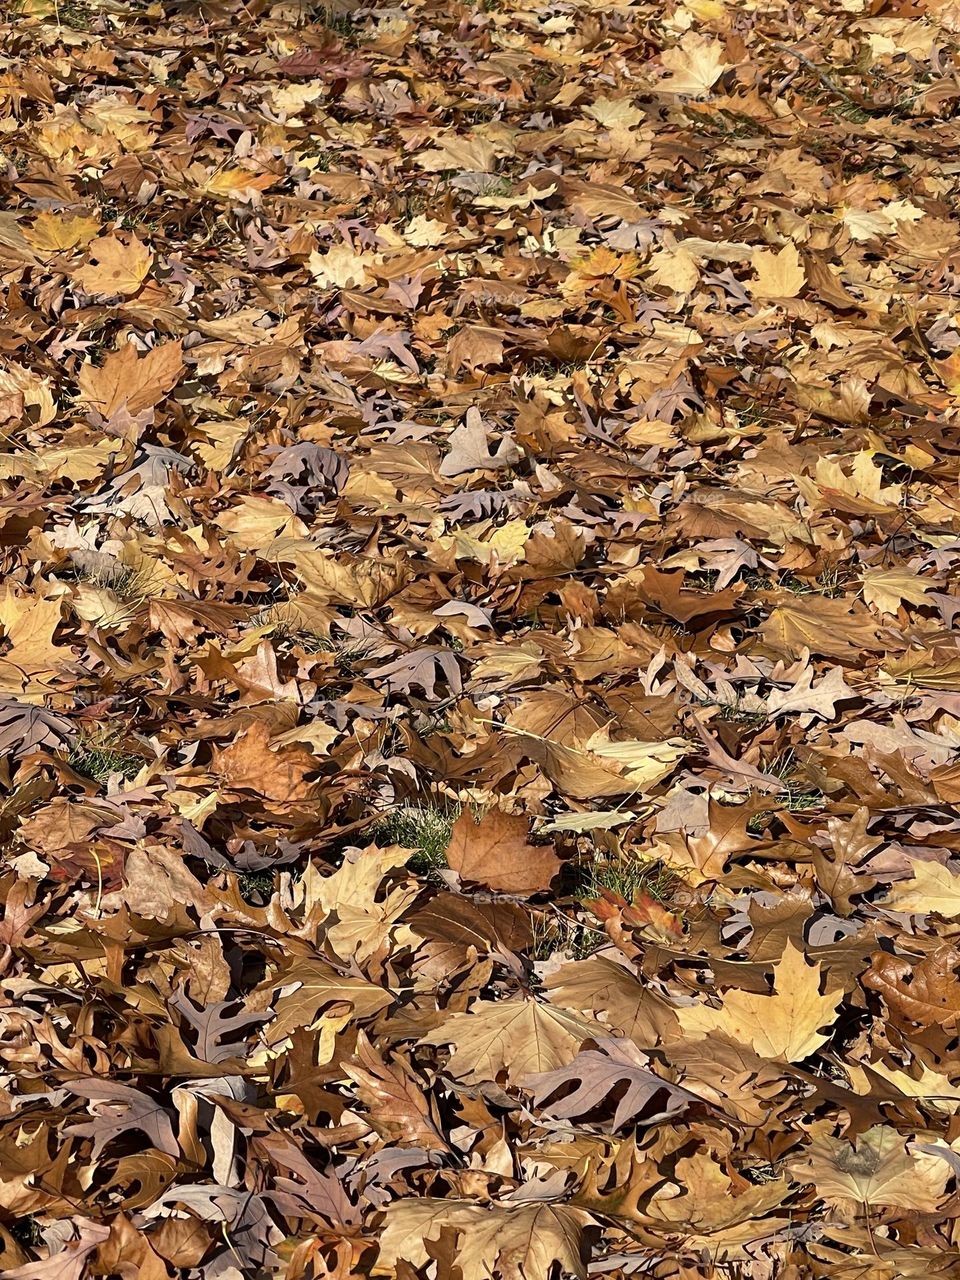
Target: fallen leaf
497	853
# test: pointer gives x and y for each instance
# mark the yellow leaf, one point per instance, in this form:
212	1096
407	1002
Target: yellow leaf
888	588
231	182
643	763
53	233
932	888
28	625
785	1025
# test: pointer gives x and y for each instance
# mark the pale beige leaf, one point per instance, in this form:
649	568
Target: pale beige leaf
117	267
779	275
696	65
877	1169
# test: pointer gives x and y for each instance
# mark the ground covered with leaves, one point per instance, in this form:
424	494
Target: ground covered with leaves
479	694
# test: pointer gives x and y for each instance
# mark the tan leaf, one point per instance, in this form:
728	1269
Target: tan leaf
128	381
398	1109
249	764
116	267
888	588
518	1037
510	1241
316	984
927	992
779	275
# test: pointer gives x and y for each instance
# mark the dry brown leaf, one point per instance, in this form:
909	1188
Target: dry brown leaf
497	853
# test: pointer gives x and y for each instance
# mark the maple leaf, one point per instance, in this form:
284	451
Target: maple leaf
696	64
57	233
878	1168
779	275
280	775
469	450
129	383
518	1037
496	852
116	267
888	588
32	656
785	1025
515	1241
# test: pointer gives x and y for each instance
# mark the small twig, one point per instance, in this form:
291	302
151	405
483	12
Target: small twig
825	80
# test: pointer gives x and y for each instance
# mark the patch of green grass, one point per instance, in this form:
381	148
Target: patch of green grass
738	714
796	797
100	756
73	14
624	876
553	931
124	581
337	18
256	887
288	625
848	110
423	828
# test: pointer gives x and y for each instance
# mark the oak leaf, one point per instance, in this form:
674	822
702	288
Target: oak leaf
614	1075
309	986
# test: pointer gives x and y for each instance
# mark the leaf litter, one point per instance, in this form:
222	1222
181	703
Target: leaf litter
479	684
